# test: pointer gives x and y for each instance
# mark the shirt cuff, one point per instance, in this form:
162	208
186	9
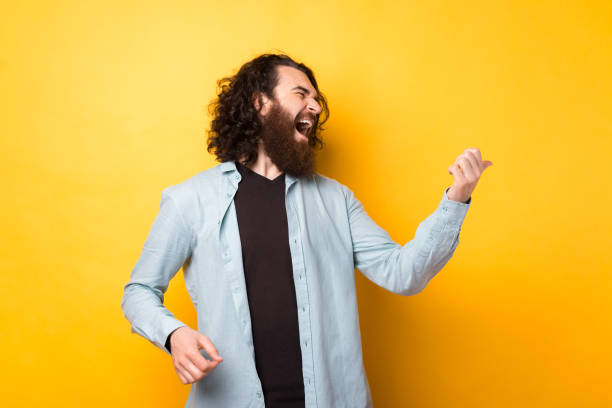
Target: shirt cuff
454	211
168	327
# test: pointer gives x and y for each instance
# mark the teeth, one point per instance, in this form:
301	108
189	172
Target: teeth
309	123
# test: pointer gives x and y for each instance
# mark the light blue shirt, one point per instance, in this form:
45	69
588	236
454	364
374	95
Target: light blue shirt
330	234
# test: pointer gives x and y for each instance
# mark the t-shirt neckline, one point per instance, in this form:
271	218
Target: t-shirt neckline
259	176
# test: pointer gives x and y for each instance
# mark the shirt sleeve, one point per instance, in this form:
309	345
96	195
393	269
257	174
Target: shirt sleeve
167	247
405	270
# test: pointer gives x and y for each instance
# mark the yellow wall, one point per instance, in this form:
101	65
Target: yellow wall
103	105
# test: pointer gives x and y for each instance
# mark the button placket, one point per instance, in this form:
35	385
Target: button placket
302	299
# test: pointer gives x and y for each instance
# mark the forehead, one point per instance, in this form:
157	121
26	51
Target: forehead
289	77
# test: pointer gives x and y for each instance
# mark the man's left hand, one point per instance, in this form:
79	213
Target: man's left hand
466	171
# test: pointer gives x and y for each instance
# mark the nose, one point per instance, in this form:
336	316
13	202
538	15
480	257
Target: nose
314	107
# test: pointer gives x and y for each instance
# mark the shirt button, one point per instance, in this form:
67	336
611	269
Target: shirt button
303	309
258	394
300	276
244	322
218	222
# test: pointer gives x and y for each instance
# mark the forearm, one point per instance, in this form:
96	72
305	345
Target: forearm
148	317
406	269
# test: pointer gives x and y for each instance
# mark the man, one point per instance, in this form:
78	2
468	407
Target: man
268	248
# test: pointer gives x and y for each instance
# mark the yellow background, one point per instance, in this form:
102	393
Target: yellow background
104	105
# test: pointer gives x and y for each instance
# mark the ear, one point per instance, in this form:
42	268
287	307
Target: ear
260	101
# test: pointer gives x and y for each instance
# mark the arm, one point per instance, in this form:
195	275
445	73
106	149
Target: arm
169	343
405	270
167	247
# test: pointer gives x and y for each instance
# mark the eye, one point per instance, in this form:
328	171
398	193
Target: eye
302	94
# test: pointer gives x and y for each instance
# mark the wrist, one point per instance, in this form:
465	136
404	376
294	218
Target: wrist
455	194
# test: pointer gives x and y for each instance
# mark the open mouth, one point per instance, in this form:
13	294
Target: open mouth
303	126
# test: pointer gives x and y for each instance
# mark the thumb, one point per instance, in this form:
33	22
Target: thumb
205	343
487	164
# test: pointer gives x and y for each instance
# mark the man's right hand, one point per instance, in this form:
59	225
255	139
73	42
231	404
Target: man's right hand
189	363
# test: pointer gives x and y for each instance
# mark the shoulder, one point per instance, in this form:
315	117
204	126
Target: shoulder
330	185
196	191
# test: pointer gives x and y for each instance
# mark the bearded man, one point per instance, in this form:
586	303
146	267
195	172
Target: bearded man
268	247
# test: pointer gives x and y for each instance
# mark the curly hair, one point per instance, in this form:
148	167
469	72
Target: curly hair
235	128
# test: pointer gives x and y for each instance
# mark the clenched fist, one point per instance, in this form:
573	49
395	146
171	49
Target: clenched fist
466	171
189	363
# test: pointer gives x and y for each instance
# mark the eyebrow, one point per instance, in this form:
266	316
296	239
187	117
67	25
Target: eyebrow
301	88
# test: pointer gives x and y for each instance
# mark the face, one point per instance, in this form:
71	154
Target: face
288	122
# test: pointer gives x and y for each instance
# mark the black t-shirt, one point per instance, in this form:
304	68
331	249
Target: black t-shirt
264	235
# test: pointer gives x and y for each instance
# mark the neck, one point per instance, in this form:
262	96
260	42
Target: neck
263	165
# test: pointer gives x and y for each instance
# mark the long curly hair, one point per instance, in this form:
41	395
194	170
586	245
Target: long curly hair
235	128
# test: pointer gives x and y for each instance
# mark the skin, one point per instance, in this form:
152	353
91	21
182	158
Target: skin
466	170
189	364
294	102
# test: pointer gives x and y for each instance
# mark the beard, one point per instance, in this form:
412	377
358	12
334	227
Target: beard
291	156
